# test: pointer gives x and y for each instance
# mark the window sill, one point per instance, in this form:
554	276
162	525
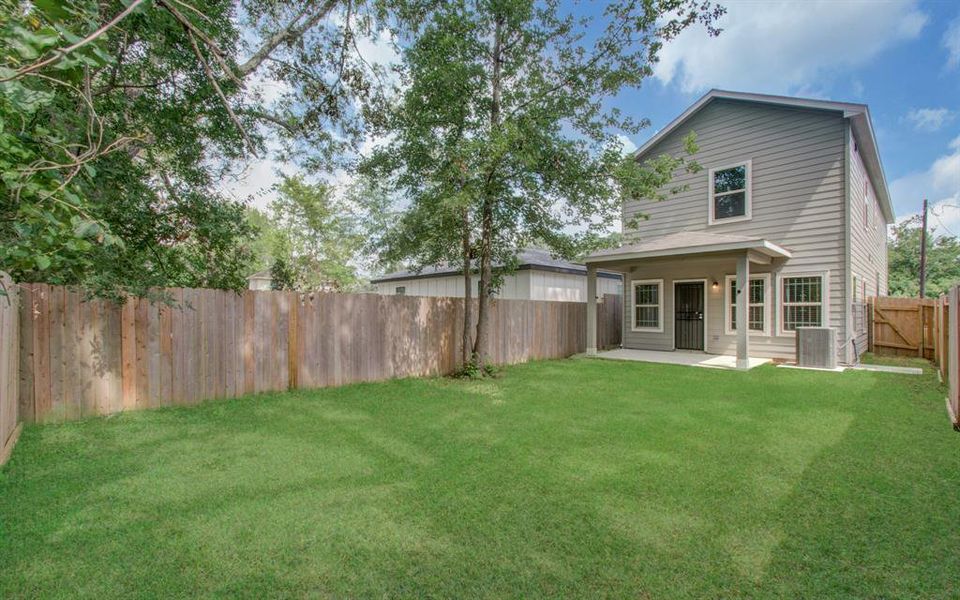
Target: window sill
726	220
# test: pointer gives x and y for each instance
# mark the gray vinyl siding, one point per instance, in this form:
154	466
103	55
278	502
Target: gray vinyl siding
528	284
798	201
868	243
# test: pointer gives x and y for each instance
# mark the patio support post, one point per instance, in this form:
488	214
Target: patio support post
743	299
591	310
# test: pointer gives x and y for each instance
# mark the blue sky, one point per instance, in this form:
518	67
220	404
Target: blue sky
901	57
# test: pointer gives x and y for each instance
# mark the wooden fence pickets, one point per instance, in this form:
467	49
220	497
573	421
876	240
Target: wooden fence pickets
925	328
10	365
952	347
80	357
903	326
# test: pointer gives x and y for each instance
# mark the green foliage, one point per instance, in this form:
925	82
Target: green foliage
281	275
503	134
312	234
472	370
112	147
903	258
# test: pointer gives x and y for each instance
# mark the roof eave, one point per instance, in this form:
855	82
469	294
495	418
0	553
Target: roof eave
763	246
862	127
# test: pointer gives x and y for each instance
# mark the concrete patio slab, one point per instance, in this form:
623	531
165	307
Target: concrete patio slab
692	359
889	369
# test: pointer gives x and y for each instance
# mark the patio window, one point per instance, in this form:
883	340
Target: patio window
730	193
647	305
802	301
756	304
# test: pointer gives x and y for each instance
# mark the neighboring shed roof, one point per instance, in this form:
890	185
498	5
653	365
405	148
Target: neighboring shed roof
688	242
264	274
858	114
528	258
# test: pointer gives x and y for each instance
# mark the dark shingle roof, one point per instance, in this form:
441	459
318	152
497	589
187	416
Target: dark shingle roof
528	258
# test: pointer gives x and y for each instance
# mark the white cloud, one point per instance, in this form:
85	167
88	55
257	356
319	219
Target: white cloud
940	184
779	46
255	183
930	119
951	42
626	144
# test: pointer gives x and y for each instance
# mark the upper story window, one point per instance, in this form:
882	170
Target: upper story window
730	193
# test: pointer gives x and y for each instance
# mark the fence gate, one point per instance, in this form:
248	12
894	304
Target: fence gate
903	326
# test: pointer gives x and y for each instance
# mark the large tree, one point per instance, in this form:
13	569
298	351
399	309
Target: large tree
312	234
504	132
119	119
903	257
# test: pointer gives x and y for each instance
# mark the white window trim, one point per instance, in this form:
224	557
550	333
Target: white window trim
748	199
706	310
727	321
633	305
824	313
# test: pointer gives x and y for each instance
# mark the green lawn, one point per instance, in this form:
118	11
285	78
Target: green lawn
565	478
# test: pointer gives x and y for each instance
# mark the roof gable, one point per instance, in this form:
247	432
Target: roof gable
857	114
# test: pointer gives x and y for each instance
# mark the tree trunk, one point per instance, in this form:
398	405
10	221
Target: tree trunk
467	291
486	218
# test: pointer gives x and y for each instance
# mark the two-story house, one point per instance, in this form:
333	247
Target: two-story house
791	206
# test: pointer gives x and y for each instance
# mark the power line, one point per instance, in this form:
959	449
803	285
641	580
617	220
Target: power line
936	213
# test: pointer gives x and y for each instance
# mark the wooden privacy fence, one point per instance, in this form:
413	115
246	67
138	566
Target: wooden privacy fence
949	345
93	357
9	366
922	327
610	321
903	326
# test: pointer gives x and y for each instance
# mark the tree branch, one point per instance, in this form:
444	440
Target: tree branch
278	121
223	97
218	54
60	53
288	33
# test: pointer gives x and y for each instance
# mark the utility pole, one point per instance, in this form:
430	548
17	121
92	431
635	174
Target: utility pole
923	252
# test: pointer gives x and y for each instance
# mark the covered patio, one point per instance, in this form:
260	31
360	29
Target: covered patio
679	357
675	290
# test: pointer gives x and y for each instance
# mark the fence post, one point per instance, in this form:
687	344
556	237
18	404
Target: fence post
954	356
10	424
293	345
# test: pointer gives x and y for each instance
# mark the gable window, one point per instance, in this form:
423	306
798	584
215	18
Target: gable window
757	302
648	305
401	290
730	193
802	301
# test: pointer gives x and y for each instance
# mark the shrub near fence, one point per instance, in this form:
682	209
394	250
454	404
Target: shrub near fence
92	357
